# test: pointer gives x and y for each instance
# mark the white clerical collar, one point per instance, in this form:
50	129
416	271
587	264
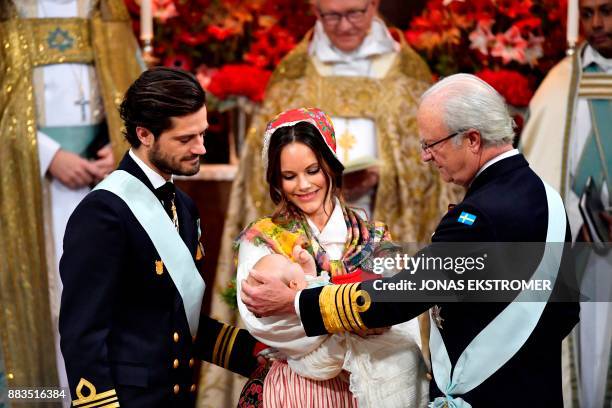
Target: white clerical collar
591	55
62	8
497	158
335	230
377	42
154	177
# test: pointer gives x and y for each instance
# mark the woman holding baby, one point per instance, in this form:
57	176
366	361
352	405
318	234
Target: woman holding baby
311	235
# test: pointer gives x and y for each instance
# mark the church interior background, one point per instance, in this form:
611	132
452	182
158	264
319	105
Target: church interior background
233	47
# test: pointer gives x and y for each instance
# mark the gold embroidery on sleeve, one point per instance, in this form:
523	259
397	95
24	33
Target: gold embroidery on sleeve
230	346
220	337
341	308
358	309
106	399
224	345
327	304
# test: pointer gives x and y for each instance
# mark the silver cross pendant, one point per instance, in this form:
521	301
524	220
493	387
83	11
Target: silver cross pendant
82	102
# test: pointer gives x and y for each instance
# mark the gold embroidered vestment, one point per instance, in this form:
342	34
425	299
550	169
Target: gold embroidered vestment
107	41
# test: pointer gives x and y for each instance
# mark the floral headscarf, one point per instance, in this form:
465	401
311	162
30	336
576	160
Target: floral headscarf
314	116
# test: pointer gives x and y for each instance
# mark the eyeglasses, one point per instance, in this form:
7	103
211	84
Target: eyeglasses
427	146
353	16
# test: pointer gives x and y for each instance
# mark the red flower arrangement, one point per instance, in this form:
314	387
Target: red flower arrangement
512	85
270	46
511	44
239	80
252	36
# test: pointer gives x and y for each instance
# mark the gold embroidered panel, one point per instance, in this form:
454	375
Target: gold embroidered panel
57	40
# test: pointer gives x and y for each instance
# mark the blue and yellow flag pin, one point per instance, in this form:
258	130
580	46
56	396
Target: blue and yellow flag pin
466	218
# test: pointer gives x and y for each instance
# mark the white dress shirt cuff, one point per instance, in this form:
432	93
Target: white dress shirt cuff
296	304
47	148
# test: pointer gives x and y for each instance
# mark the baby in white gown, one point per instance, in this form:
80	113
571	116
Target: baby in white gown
387	370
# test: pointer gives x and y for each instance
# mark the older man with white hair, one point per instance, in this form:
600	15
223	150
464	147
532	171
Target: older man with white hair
494	354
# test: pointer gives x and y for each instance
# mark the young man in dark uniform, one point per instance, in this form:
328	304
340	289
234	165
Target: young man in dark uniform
483	354
130	319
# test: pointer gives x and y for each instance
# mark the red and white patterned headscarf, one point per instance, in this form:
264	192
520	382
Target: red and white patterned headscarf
314	116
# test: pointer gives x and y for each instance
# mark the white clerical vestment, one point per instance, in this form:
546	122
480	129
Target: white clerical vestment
595	327
542	142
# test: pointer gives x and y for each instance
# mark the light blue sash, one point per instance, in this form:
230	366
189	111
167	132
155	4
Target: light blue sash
150	213
486	354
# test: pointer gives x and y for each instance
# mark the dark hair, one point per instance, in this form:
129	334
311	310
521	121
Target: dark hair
307	134
155	97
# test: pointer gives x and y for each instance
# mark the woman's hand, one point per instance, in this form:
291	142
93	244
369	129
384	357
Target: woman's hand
306	261
268	297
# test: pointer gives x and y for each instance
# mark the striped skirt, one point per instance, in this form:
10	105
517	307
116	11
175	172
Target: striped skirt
285	389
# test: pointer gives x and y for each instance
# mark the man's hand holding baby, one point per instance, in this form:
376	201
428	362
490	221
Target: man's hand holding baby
271	285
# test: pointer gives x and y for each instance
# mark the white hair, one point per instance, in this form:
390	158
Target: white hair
468	102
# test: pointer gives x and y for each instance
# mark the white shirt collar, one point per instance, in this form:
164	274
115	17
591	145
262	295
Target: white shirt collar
154	177
497	158
592	56
378	41
335	231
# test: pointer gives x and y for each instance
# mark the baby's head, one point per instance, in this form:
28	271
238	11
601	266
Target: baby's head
291	273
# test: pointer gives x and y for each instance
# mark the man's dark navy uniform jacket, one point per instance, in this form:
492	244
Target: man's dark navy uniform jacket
509	203
124	332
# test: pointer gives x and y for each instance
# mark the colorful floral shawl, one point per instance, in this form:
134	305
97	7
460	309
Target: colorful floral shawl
364	239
